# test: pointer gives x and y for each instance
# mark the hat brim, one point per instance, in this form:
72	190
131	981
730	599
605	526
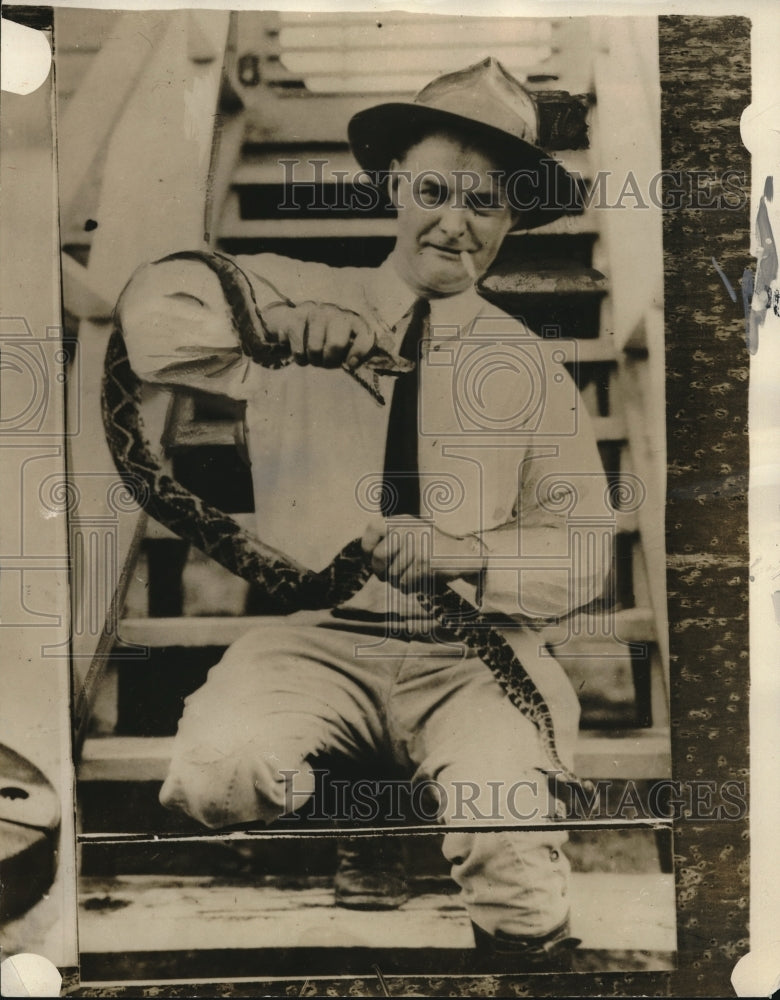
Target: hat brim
544	189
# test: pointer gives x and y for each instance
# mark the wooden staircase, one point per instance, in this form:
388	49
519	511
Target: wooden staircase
185	610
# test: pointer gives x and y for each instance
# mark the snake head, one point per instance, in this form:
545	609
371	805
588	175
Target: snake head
382	358
384	363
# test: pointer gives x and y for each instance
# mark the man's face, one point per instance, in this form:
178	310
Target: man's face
447	203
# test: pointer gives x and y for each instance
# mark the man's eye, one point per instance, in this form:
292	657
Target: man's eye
484	202
433	195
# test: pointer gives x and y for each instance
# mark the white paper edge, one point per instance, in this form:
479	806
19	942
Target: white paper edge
764	428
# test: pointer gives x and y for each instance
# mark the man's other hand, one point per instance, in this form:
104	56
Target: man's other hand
319	333
407	551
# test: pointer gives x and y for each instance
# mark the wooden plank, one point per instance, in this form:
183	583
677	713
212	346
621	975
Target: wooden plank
640	395
626	522
79	293
125	758
351	33
149	913
234	227
190	632
154	190
631	625
83	30
640	753
261	167
416	60
324	19
334	165
567	225
511	280
588	351
106	522
634	753
71	68
147	195
226	153
112	74
659	691
202	432
610	428
635	625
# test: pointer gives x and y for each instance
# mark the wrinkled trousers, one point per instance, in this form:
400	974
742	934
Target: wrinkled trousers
311	685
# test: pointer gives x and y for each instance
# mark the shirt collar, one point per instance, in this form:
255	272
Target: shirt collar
389	295
392	299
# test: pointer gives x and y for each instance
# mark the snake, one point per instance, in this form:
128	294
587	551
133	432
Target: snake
286	585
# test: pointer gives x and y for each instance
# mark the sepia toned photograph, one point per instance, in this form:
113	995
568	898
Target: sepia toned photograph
406	590
402	645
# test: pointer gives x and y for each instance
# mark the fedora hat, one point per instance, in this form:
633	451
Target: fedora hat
494	111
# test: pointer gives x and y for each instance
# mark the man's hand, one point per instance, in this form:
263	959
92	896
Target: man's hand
408	552
321	334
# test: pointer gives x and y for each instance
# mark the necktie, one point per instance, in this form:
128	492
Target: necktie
401	493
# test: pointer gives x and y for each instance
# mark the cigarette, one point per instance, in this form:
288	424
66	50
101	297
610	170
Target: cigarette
468	264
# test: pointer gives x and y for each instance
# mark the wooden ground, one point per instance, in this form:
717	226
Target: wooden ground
247	926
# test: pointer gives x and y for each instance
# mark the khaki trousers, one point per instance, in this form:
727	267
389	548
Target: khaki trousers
309	685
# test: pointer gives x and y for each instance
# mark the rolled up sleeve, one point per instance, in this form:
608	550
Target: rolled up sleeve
179	330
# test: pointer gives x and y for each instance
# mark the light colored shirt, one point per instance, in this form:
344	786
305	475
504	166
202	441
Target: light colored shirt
506	449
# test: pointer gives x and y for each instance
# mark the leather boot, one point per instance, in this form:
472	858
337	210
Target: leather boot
553	952
371	874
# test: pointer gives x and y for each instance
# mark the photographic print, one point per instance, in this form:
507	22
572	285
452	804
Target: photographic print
403	455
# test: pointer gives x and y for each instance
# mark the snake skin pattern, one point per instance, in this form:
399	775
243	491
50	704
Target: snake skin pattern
288	586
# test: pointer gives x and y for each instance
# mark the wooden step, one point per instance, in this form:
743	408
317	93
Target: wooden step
302	858
233	226
631	753
516	282
632	625
263	167
609	428
259	167
125	758
195	433
634	753
155	914
573	248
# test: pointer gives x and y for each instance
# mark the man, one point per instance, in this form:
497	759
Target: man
458	481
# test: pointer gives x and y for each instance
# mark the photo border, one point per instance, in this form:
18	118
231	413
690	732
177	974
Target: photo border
707	571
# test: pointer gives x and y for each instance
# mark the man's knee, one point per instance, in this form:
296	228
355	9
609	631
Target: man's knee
249	786
523	799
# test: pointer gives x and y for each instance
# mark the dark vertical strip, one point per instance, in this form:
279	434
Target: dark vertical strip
705	81
167	557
